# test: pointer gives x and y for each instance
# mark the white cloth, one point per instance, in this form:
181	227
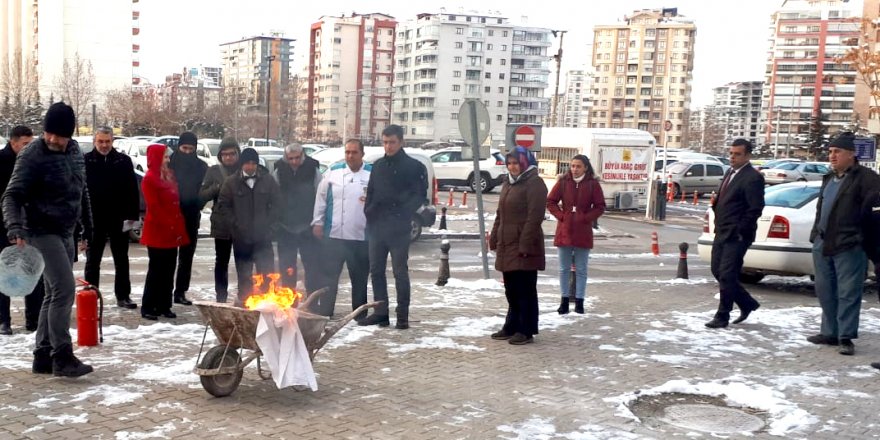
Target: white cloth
249	179
283	347
339	204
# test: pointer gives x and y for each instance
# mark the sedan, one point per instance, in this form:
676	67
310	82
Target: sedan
782	244
795	172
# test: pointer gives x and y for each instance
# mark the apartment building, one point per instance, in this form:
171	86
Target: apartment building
643	69
738	110
803	81
351	67
577	102
529	75
192	90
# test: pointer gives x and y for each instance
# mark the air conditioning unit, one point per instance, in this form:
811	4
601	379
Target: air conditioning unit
626	200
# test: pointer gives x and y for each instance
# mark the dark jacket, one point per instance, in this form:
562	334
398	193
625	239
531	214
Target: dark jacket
7	163
851	222
210	192
517	236
164	227
254	212
298	190
397	189
47	192
576	206
113	190
738	207
189	171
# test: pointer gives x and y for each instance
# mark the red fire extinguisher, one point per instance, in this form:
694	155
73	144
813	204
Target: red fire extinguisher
89	315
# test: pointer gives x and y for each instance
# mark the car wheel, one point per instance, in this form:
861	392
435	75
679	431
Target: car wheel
676	190
484	183
751	277
415	230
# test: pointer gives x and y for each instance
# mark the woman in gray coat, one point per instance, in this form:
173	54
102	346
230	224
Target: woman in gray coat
518	240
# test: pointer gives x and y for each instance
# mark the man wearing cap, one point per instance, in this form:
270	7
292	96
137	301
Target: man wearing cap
220	226
42	205
844	237
190	172
18	139
113	193
252	201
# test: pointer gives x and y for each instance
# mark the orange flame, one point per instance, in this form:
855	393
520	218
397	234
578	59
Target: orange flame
283	297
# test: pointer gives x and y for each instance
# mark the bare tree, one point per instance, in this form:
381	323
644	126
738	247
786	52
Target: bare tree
76	84
20	90
865	60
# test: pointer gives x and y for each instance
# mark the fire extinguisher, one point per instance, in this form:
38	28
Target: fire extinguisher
89	315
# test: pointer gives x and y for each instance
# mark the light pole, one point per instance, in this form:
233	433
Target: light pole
269	60
558	58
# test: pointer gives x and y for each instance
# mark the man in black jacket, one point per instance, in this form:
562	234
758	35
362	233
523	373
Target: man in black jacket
189	171
250	198
737	208
115	200
843	237
43	202
18	139
220	226
397	188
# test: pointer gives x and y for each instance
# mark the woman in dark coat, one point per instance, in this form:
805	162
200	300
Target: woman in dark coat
518	240
164	231
576	201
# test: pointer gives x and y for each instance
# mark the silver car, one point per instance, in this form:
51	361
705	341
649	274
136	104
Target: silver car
700	176
795	172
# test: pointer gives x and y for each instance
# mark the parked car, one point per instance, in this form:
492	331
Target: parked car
134	235
782	244
136	149
86	143
202	150
260	142
311	149
795	172
699	176
776	162
453	170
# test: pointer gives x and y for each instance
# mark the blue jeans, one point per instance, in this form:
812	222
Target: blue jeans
581	255
840	282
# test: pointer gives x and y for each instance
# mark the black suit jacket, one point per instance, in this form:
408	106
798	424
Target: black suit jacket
737	208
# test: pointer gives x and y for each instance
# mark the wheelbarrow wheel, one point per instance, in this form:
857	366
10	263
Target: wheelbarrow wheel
221	385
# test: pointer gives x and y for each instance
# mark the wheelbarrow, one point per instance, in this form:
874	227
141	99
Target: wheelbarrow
222	366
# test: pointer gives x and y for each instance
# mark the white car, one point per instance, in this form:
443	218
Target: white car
795	172
453	170
202	150
782	243
136	149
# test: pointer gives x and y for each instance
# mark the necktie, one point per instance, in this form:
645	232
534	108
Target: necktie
725	182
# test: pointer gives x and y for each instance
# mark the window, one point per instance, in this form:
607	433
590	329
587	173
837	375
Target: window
695	171
459	45
504	34
501	90
503	62
456	74
488	75
491	33
489	46
498	118
504	47
456	88
500	104
456	102
458	31
455	116
487	89
488	61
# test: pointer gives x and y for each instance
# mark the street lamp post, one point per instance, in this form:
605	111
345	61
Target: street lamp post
269	60
558	58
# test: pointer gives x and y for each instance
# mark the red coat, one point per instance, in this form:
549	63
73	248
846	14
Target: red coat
164	227
575	226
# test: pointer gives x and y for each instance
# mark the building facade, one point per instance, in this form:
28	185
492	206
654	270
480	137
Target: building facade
529	76
803	82
643	72
191	91
577	103
738	110
351	68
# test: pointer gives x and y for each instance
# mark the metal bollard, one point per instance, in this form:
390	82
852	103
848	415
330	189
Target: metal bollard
682	261
443	219
443	278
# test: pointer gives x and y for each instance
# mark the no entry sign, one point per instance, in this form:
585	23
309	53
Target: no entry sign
523	135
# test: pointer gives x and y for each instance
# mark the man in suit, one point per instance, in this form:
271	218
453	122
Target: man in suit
737	208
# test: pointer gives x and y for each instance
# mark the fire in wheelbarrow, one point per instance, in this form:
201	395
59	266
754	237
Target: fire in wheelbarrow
276	325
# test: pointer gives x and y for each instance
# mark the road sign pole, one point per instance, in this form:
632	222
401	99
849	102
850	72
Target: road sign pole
475	149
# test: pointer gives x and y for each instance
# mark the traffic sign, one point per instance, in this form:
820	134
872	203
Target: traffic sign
473	120
524	135
866	149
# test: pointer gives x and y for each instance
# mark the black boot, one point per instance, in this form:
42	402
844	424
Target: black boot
64	363
563	306
42	361
181	299
579	305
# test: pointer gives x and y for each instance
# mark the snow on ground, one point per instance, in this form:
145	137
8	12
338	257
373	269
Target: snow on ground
539	428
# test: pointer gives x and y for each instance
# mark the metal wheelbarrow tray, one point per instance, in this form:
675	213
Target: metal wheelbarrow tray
222	366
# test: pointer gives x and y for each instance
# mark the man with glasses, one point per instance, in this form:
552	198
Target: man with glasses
220	225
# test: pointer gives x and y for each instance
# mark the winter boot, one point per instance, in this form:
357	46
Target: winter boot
64	363
42	361
563	306
579	305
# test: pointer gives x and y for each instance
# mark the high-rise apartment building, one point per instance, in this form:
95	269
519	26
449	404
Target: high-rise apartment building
577	101
738	110
803	81
351	67
247	66
529	74
191	91
40	35
643	72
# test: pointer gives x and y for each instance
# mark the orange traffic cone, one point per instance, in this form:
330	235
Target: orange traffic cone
712	199
696	198
655	245
682	197
463	199
449	202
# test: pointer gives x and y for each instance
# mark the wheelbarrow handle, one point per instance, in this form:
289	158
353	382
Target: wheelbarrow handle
312	297
331	330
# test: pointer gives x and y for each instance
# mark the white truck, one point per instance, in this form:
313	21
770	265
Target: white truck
622	159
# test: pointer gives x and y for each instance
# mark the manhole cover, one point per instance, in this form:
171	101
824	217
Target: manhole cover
710	418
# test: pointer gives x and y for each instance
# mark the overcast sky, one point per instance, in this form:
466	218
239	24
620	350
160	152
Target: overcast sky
731	42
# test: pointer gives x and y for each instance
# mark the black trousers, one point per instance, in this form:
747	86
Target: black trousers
248	255
119	249
185	258
160	281
398	247
222	253
310	252
354	254
727	263
521	290
32	305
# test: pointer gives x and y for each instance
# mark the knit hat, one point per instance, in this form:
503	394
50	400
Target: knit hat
249	155
60	120
188	138
229	143
844	141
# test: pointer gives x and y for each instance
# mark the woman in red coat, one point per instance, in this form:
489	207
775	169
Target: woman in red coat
576	201
164	231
